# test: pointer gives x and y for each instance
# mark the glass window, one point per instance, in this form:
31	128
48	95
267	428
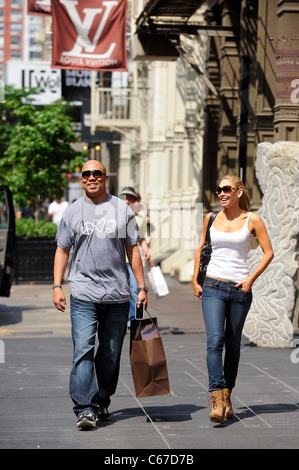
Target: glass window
15	15
15	54
3	211
15	3
15	42
15	28
34	55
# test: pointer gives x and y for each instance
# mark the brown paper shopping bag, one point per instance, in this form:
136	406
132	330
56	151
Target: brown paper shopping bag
147	357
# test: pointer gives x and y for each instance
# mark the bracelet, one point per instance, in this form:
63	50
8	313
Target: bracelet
57	285
143	288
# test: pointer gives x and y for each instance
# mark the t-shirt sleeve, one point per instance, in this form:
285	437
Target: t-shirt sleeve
64	237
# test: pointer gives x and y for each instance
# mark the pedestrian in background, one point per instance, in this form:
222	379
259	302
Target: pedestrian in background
226	293
130	197
100	228
56	210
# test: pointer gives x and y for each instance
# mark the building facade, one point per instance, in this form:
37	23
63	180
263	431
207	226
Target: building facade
237	62
22	37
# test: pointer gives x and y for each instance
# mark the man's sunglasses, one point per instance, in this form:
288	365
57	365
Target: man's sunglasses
225	189
95	173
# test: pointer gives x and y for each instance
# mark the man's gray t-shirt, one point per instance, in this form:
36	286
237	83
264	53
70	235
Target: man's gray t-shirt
98	234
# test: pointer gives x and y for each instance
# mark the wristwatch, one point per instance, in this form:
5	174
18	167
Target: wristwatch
143	288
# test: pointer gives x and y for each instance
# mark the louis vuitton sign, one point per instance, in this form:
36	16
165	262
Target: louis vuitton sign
89	34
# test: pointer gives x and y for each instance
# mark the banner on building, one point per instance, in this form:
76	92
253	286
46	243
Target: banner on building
89	34
39	7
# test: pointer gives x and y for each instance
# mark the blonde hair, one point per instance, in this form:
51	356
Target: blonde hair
244	199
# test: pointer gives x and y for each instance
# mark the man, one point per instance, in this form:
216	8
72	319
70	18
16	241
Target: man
99	227
56	210
129	195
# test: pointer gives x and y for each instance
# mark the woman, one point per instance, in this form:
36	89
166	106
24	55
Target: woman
226	292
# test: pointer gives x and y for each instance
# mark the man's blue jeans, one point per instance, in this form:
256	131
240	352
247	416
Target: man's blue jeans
94	378
225	308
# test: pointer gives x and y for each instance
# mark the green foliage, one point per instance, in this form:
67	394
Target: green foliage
29	228
13	100
39	153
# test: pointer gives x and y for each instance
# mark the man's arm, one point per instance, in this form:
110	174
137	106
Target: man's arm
60	265
145	248
137	268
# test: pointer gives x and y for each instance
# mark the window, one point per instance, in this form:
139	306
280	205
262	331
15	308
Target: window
15	29
15	54
3	211
15	42
15	15
15	3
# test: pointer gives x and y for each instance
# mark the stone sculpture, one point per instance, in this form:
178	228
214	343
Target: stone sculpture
277	169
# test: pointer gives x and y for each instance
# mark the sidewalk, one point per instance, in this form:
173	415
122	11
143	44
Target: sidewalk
36	411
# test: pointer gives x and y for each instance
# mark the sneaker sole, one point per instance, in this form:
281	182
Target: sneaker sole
86	425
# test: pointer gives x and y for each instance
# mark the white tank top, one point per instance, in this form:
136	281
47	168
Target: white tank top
229	255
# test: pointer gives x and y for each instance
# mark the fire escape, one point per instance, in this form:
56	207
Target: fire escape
157	32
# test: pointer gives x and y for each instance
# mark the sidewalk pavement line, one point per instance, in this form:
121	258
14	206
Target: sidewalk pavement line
146	414
271	376
198	382
255	414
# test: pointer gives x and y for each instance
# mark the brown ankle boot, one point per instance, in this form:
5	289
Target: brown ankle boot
218	408
228	412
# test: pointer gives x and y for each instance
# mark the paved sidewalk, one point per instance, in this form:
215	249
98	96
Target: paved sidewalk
36	411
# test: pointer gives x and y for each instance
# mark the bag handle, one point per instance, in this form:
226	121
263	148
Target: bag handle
211	220
151	263
138	329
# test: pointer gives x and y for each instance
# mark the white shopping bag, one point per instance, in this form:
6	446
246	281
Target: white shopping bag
157	281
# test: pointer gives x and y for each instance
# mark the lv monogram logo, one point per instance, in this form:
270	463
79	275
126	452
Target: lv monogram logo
84	46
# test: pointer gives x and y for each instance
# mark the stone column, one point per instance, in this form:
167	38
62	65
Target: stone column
277	169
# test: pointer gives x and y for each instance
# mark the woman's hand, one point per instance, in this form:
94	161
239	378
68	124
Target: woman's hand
197	290
246	284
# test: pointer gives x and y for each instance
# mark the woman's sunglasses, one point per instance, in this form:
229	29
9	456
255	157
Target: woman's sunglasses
225	189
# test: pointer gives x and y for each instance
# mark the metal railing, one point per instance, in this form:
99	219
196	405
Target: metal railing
114	107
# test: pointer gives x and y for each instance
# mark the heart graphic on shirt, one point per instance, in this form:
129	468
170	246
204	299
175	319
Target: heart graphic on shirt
111	226
99	224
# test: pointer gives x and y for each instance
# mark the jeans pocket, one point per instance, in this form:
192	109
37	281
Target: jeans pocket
210	283
245	297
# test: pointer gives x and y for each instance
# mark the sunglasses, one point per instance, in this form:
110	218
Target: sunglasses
225	189
95	173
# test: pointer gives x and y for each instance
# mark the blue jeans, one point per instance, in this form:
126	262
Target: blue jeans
94	377
225	308
134	293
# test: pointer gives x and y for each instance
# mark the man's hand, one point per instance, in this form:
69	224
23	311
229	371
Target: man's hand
59	299
142	298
